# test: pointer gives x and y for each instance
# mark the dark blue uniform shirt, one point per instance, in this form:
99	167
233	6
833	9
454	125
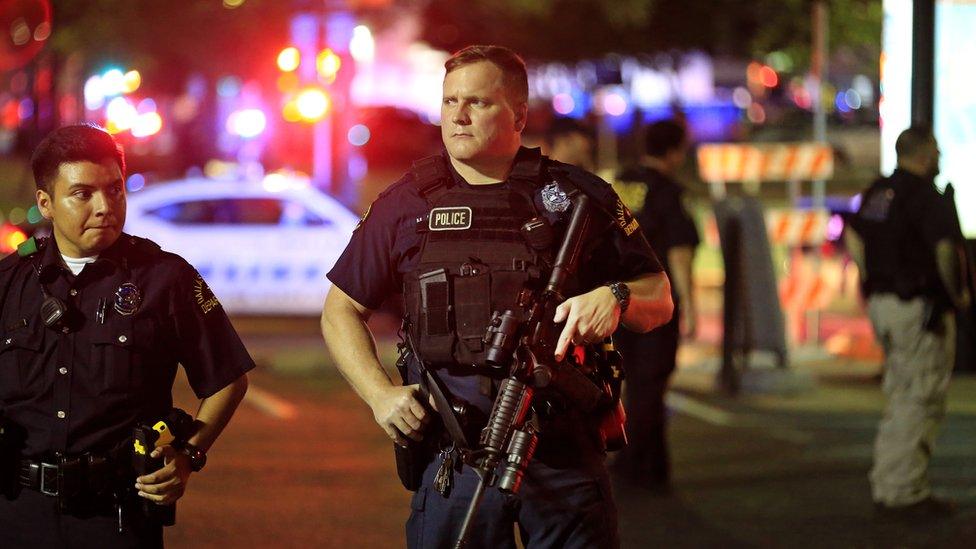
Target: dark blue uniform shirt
82	385
386	247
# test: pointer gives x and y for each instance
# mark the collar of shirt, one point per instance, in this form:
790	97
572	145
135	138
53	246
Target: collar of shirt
526	165
51	265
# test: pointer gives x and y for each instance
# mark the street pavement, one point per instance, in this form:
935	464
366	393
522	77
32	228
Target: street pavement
304	465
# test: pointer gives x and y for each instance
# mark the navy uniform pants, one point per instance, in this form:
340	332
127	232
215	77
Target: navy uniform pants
564	508
649	360
33	520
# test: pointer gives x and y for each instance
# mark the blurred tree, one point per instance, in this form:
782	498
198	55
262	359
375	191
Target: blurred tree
168	40
571	30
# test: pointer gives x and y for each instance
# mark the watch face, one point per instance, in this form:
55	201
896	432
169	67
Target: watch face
620	291
197	458
624	290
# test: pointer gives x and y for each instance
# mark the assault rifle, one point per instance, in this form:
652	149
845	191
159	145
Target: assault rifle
525	342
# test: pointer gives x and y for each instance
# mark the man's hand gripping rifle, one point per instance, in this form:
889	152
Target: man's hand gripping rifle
524	341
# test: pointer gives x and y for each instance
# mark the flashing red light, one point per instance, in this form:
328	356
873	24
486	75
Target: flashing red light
10	238
768	77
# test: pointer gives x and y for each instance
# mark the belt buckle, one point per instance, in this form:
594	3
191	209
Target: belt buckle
45	467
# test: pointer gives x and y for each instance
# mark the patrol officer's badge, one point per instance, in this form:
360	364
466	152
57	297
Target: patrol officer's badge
554	199
205	298
453	218
127	299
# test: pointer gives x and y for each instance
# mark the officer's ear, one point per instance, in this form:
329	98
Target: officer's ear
521	116
44	204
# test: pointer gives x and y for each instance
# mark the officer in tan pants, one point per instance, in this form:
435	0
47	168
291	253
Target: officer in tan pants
908	254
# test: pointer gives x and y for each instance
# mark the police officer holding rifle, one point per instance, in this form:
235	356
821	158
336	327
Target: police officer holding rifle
507	316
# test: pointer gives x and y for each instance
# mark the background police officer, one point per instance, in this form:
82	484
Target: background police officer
569	141
907	250
94	323
565	500
656	198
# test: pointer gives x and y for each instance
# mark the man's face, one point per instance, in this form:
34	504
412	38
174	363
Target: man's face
86	206
676	156
478	122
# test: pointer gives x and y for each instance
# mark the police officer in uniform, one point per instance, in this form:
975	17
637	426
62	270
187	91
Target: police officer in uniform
93	323
452	235
907	250
656	199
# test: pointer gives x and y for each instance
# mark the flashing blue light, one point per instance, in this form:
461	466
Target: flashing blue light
135	182
358	135
841	102
229	86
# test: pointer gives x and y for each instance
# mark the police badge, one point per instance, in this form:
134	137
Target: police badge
127	299
554	199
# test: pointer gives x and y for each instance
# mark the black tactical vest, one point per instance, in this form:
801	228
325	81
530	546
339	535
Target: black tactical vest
890	246
473	260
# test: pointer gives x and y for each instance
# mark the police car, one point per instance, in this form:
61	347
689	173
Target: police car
264	247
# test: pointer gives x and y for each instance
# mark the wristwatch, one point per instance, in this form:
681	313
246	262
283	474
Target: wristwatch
198	458
622	292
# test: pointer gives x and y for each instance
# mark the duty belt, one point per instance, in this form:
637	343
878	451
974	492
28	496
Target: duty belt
66	477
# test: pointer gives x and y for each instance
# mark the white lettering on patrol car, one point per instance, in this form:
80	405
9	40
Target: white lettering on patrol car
455	218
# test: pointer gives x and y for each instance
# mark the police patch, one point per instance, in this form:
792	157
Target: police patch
625	220
127	299
554	199
454	218
204	297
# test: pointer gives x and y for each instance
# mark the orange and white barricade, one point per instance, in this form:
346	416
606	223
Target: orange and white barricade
755	163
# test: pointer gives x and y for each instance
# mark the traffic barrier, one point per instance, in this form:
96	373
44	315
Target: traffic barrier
722	163
797	227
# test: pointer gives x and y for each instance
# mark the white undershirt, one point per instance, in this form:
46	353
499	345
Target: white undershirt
76	264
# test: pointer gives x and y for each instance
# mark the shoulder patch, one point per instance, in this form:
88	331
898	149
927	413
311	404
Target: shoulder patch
203	295
624	219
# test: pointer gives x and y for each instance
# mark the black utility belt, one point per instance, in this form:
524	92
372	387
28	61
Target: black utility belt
66	477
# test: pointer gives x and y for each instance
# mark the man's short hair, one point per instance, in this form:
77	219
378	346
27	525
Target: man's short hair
78	143
663	136
511	65
566	126
911	141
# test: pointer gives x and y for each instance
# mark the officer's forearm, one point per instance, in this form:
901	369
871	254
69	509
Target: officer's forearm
352	347
680	258
855	247
650	303
950	268
215	412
